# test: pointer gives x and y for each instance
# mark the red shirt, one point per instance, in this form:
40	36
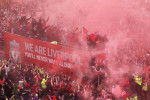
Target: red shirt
34	88
27	85
54	98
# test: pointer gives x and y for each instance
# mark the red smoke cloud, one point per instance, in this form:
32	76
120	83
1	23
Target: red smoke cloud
125	22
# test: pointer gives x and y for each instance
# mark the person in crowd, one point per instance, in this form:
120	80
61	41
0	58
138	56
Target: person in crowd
6	67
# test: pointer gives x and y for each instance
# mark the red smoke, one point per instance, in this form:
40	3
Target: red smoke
125	22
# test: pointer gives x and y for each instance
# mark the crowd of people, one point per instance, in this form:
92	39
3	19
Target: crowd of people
30	82
39	29
21	19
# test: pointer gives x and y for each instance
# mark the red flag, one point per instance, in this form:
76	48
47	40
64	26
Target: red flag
85	31
125	94
44	24
93	37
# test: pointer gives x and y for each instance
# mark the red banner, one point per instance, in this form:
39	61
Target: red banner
44	54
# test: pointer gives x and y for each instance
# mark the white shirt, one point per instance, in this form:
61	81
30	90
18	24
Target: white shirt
6	70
